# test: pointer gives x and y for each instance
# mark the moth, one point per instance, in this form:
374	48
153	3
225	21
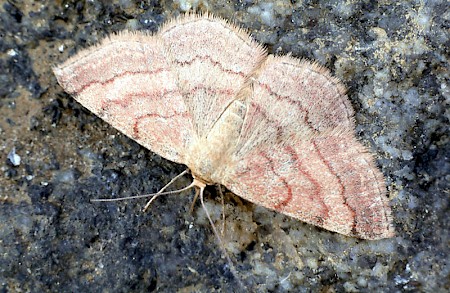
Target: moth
275	130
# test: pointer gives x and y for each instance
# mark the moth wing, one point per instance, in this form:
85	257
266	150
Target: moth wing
298	153
128	81
210	72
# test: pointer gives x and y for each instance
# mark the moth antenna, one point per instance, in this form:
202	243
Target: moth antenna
222	246
141	196
160	192
153	195
156	195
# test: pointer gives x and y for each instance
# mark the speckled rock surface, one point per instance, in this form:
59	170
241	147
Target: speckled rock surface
55	156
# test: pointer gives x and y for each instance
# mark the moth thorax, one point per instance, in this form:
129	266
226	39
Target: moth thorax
210	155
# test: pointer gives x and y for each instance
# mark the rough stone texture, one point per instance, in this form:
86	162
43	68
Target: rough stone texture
55	156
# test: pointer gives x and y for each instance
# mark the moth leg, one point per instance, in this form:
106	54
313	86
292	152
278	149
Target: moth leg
164	188
223	209
233	270
197	192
